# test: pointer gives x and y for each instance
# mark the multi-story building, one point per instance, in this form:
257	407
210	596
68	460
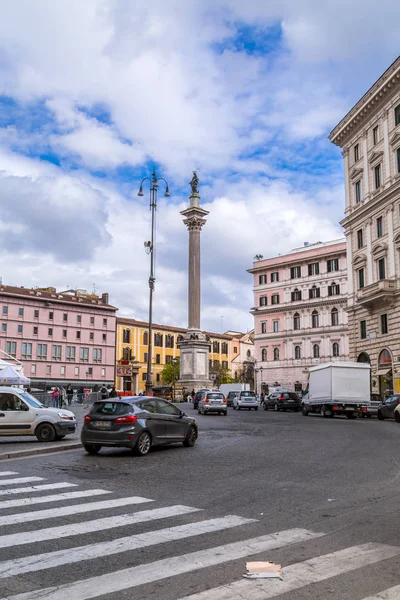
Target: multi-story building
132	346
60	338
242	351
370	138
300	316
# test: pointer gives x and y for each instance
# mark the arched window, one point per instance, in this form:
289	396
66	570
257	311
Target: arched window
126	336
248	353
385	358
296	321
314	292
158	340
316	351
127	354
169	341
297	352
224	348
145	338
296	295
216	347
335	349
314	319
333	289
276	353
364	358
264	354
334	317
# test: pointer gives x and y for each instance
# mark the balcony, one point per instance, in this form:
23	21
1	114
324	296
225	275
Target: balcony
377	294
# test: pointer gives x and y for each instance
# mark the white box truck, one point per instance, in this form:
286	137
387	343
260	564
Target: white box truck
338	388
225	388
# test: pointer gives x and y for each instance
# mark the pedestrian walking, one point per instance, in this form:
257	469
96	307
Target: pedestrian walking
55	394
104	392
113	393
70	394
80	395
62	396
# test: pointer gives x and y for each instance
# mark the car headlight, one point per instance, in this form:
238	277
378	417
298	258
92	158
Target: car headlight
65	416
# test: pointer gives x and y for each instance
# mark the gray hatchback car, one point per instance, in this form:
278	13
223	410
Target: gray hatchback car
136	422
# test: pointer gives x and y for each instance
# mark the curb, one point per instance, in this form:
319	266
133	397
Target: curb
41	450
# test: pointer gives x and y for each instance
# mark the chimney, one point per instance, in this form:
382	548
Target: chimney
105	298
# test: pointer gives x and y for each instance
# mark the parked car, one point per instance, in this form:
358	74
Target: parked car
138	423
387	408
230	397
396	414
372	408
198	396
22	414
212	402
245	400
282	401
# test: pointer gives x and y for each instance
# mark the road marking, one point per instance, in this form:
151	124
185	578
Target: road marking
20	480
53	498
38	488
73	509
174	565
302	574
48	560
52	533
7	473
389	594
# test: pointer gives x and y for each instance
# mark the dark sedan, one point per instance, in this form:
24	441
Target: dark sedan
138	423
386	409
282	401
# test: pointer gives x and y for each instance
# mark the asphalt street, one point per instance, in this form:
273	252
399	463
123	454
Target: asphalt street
318	496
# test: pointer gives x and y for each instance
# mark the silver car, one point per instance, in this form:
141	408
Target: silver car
138	423
212	402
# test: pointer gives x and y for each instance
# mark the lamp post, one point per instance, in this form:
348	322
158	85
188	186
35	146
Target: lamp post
149	247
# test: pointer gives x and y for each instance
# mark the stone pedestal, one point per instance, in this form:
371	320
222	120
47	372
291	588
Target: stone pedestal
194	348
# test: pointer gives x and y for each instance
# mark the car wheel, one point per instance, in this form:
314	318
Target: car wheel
397	417
380	416
191	437
45	432
325	412
92	448
265	407
304	411
143	444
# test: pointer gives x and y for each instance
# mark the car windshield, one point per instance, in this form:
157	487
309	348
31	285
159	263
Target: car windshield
246	393
31	400
111	408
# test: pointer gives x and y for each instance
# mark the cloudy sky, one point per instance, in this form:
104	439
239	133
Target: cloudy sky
94	93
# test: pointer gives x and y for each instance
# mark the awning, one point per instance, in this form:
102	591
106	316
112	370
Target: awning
383	371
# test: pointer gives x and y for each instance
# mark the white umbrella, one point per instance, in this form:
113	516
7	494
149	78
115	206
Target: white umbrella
9	376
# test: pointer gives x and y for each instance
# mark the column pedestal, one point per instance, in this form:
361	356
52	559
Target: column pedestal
194	372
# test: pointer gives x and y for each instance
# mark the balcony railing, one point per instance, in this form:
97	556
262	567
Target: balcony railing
377	293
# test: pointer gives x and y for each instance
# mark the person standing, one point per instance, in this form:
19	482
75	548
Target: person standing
55	395
70	394
80	395
113	393
62	396
104	392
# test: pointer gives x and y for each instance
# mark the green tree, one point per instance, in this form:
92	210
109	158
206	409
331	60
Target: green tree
170	373
221	375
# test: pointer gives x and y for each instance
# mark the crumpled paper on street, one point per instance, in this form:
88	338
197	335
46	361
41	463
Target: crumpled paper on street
261	570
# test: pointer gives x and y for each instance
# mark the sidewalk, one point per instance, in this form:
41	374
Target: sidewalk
20	446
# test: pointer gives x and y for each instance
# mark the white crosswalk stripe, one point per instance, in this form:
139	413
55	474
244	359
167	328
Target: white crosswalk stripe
7	473
304	573
48	560
50	533
390	594
20	480
52	498
37	488
73	509
175	565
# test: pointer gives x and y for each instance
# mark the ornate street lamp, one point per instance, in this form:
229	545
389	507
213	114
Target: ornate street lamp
149	248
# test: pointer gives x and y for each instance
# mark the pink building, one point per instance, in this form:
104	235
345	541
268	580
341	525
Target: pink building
300	316
59	338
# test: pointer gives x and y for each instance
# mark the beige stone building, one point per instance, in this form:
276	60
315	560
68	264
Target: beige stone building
370	138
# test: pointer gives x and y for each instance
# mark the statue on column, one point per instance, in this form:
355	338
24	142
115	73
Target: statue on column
194	183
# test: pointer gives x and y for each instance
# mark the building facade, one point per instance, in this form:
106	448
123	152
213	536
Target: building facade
300	316
132	347
242	346
370	138
60	338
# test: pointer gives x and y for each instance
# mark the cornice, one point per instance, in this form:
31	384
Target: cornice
375	97
306	332
282	308
360	212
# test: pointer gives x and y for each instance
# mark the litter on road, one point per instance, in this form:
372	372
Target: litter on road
261	570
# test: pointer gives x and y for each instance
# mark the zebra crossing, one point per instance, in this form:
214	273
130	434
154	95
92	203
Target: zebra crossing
44	553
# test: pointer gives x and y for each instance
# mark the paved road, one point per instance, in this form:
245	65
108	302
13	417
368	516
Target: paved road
318	496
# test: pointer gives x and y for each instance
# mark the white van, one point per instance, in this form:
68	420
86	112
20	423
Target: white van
22	414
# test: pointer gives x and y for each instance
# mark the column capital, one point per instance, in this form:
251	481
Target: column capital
194	223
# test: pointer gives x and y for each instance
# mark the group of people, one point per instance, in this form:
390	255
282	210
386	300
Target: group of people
61	396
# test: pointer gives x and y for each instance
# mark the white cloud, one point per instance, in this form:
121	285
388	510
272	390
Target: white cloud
177	89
